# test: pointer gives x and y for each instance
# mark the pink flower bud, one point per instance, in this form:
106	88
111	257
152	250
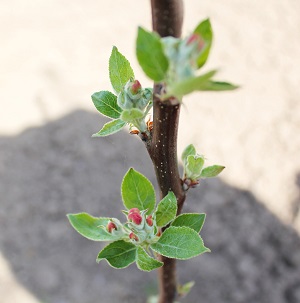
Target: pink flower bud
111	226
135	217
192	38
135	87
133	236
149	220
133	210
195	39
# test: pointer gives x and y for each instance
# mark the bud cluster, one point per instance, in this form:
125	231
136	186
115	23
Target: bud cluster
182	55
134	96
142	226
194	170
139	229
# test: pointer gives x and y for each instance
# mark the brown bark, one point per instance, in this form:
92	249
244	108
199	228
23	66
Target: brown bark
167	18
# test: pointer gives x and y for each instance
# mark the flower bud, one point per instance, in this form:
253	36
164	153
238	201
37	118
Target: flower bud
196	40
133	91
134	210
124	101
135	217
133	236
111	226
149	220
135	87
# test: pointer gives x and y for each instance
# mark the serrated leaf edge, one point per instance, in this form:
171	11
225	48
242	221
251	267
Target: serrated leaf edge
175	212
185	227
109	67
137	264
98	260
190	214
108	105
152	188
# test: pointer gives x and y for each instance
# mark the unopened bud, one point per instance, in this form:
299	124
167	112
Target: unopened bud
124	101
133	210
196	40
192	38
135	87
135	217
133	236
111	226
149	220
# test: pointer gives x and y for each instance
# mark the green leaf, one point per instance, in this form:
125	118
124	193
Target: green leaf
166	210
137	191
184	289
190	150
193	221
149	51
145	262
129	115
217	86
110	128
120	70
179	243
189	85
211	171
88	226
106	104
118	254
204	29
193	167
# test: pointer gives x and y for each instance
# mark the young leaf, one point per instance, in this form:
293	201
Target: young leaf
150	55
193	221
204	30
145	262
118	254
120	70
166	210
106	104
110	128
88	226
190	150
179	243
193	167
129	115
217	86
189	85
211	171
184	289
137	191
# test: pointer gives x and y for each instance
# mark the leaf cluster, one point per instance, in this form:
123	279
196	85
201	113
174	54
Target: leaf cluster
175	61
120	106
180	240
194	170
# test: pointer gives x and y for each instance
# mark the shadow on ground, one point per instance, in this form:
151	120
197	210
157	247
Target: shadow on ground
56	169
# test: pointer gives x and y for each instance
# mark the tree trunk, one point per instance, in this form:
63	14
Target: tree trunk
167	18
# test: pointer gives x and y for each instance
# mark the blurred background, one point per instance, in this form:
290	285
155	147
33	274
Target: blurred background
53	56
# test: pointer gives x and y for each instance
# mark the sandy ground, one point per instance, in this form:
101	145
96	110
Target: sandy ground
53	55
